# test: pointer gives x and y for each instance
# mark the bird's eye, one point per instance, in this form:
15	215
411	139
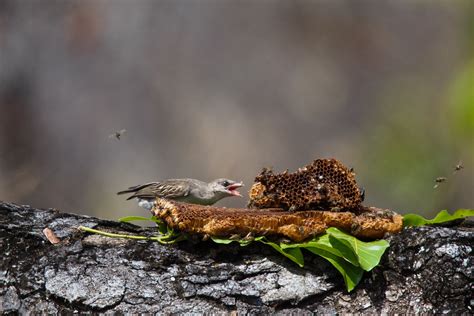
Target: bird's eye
225	183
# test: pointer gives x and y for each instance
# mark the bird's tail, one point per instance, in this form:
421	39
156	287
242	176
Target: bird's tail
133	189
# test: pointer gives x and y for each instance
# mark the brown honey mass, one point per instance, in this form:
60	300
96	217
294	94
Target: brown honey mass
325	184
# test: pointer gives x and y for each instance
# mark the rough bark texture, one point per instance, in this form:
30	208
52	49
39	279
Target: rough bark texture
426	270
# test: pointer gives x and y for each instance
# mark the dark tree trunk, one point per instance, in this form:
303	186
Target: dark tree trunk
426	270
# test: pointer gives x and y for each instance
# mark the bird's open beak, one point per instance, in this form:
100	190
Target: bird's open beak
233	188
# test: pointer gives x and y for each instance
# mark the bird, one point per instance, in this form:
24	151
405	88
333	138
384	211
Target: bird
183	190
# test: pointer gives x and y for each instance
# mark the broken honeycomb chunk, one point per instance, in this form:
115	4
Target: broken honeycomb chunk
204	220
325	184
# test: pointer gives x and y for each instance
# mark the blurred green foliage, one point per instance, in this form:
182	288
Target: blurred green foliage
461	104
420	137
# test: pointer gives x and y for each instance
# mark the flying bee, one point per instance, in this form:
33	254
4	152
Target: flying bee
458	167
118	134
439	180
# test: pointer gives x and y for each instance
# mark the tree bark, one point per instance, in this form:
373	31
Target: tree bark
425	270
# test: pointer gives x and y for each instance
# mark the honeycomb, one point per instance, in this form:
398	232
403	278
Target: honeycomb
325	184
298	226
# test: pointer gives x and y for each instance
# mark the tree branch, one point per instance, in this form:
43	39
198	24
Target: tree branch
428	269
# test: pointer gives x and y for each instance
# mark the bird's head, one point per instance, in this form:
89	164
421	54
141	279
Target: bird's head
226	187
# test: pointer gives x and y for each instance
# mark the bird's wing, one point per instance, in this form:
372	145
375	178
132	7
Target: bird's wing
167	189
174	188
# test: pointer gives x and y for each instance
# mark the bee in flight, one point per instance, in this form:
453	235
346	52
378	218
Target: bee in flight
118	134
439	180
458	167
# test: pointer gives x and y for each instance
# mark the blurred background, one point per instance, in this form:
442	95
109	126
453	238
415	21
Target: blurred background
209	89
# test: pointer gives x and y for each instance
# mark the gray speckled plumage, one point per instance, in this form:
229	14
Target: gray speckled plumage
183	190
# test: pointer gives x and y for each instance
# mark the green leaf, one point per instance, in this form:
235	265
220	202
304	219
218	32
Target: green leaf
410	220
244	242
322	242
368	253
345	249
170	234
338	253
225	241
133	218
219	240
414	220
162	227
350	273
294	254
171	239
